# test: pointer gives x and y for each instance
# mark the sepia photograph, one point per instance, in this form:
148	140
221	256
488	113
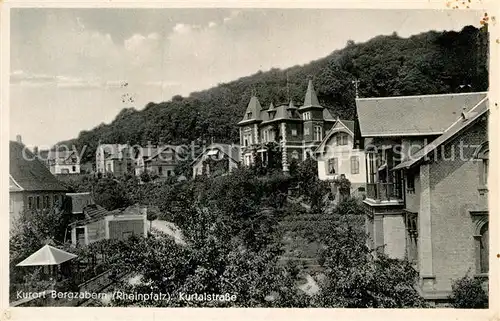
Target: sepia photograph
249	157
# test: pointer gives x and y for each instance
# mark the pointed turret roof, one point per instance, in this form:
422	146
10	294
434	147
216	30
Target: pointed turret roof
253	111
310	100
271	106
291	105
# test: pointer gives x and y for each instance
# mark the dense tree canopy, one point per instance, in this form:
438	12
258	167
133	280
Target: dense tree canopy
428	63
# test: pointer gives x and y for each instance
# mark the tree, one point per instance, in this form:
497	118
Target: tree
427	63
32	230
468	293
309	185
145	177
152	215
354	276
111	194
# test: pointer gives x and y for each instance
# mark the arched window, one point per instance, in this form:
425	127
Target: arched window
483	249
482	154
481	240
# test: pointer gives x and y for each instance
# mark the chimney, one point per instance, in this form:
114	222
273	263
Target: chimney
19	139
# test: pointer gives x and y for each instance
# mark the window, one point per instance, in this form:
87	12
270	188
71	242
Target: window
332	166
80	235
266	135
247	138
64	171
294	132
482	154
410	181
109	167
411	221
341	139
160	170
483	249
485	171
307	115
354	164
30	203
73	168
38	202
306	131
295	154
481	241
46	201
318	134
249	115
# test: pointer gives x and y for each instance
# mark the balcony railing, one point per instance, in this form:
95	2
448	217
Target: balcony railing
383	191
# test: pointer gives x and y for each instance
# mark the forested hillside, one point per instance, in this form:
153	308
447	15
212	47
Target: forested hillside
428	63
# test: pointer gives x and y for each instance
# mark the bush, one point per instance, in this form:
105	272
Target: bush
468	293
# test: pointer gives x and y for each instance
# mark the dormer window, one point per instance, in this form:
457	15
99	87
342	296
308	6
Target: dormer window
307	115
249	115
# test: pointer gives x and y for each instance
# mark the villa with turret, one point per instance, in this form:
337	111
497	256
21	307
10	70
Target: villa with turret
298	129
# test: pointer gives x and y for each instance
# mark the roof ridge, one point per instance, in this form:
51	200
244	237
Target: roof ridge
461	119
430	95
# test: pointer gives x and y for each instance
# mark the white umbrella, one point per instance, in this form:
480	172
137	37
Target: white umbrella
47	255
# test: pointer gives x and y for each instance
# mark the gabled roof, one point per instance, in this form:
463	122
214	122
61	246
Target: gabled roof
161	150
232	151
29	173
310	99
327	115
412	115
348	125
466	119
113	151
254	109
146	152
60	154
13	185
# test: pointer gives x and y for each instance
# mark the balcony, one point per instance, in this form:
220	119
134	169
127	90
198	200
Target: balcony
384	192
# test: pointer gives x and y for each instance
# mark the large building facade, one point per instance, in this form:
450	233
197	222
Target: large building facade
426	165
31	185
298	130
114	158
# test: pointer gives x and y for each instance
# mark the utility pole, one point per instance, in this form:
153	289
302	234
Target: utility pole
356	84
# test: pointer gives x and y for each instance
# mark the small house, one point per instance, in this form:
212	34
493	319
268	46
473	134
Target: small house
216	159
99	224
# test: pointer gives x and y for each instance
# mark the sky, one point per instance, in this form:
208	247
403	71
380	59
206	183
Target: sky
72	69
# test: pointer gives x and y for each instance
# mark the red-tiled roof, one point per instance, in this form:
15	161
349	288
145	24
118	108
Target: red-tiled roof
29	172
